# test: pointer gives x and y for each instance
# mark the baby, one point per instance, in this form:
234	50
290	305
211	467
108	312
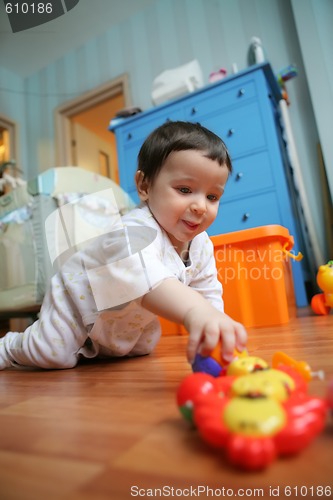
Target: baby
106	298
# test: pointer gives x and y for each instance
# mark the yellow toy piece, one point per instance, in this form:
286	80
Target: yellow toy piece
246	364
254	418
270	383
321	303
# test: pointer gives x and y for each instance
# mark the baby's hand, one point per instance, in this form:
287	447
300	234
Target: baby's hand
207	326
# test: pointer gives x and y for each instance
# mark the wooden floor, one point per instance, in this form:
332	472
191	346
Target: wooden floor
96	431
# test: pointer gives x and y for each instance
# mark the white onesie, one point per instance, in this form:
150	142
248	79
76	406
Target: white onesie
93	304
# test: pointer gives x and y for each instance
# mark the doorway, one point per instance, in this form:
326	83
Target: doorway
8	152
82	135
7	140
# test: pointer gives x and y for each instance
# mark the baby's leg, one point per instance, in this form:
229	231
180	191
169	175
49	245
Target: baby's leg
52	341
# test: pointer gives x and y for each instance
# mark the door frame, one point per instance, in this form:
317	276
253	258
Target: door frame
64	113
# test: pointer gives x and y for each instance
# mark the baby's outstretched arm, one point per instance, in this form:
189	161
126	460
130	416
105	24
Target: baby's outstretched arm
206	325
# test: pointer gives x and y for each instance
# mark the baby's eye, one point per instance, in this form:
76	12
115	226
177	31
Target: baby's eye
184	190
212	197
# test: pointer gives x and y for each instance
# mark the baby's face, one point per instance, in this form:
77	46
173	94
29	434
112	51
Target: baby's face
184	197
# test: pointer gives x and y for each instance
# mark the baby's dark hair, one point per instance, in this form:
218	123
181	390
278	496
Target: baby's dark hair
179	136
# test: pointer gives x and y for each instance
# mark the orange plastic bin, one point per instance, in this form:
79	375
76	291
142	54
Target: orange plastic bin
255	271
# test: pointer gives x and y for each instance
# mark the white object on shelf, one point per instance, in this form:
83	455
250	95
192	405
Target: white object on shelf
257	50
176	82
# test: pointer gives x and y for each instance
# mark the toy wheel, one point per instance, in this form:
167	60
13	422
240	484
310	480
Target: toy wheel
318	304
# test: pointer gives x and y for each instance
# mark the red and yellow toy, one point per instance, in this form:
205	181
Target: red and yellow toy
322	303
254	412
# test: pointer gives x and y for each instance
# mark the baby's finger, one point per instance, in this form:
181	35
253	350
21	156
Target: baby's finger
193	345
209	340
241	337
228	343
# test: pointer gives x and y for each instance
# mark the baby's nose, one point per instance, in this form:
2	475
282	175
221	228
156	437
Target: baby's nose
199	205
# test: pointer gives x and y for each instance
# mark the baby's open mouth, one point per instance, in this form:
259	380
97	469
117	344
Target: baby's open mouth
191	225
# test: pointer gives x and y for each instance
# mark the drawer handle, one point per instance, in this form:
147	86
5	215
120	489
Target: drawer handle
129	136
239	176
193	111
246	216
231	132
241	92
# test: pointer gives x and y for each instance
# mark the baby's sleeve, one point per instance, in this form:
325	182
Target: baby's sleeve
205	279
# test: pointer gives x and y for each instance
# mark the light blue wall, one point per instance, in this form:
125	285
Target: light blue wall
314	26
166	34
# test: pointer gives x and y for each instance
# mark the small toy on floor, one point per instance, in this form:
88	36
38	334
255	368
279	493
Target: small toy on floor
214	364
252	411
322	303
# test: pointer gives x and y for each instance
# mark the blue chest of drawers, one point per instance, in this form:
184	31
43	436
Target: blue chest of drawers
243	110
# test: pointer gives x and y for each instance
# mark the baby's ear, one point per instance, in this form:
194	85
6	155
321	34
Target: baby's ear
142	185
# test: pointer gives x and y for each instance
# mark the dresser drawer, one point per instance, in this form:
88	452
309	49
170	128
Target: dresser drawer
250	174
241	128
252	211
220	98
